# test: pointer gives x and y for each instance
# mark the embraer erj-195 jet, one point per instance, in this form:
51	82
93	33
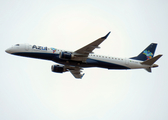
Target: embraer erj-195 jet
84	57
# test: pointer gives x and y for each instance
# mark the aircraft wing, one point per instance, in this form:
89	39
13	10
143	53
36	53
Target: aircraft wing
84	51
75	71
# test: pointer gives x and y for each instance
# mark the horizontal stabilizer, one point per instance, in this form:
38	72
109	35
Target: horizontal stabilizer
152	60
148	69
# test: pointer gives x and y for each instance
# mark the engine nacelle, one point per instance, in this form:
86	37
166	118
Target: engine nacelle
58	68
66	55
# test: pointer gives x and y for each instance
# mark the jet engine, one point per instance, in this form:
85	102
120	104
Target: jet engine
66	55
58	68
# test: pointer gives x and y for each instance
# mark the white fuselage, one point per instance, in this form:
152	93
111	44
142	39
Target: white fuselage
93	60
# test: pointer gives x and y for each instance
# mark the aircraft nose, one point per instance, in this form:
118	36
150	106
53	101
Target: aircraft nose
8	50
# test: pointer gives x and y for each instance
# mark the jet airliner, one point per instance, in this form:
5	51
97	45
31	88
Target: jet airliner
84	57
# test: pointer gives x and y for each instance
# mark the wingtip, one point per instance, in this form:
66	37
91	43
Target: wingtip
107	35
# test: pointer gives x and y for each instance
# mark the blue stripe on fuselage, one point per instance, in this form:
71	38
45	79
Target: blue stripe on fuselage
55	57
46	56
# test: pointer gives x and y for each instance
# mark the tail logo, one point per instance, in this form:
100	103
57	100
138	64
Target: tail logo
148	54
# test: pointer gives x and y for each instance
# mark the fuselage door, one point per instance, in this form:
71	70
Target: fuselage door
126	61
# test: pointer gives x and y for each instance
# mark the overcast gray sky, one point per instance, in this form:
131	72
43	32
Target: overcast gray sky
28	88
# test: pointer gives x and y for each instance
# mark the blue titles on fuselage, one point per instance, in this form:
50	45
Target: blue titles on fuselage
39	47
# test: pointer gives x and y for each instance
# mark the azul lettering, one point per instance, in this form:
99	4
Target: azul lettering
34	47
39	47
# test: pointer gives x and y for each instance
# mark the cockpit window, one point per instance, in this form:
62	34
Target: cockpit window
17	45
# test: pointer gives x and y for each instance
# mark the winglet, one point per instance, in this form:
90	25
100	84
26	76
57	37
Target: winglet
106	35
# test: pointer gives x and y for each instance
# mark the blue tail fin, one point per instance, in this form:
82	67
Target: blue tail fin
146	54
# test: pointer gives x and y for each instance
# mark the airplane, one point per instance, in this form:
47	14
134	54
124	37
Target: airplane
84	57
